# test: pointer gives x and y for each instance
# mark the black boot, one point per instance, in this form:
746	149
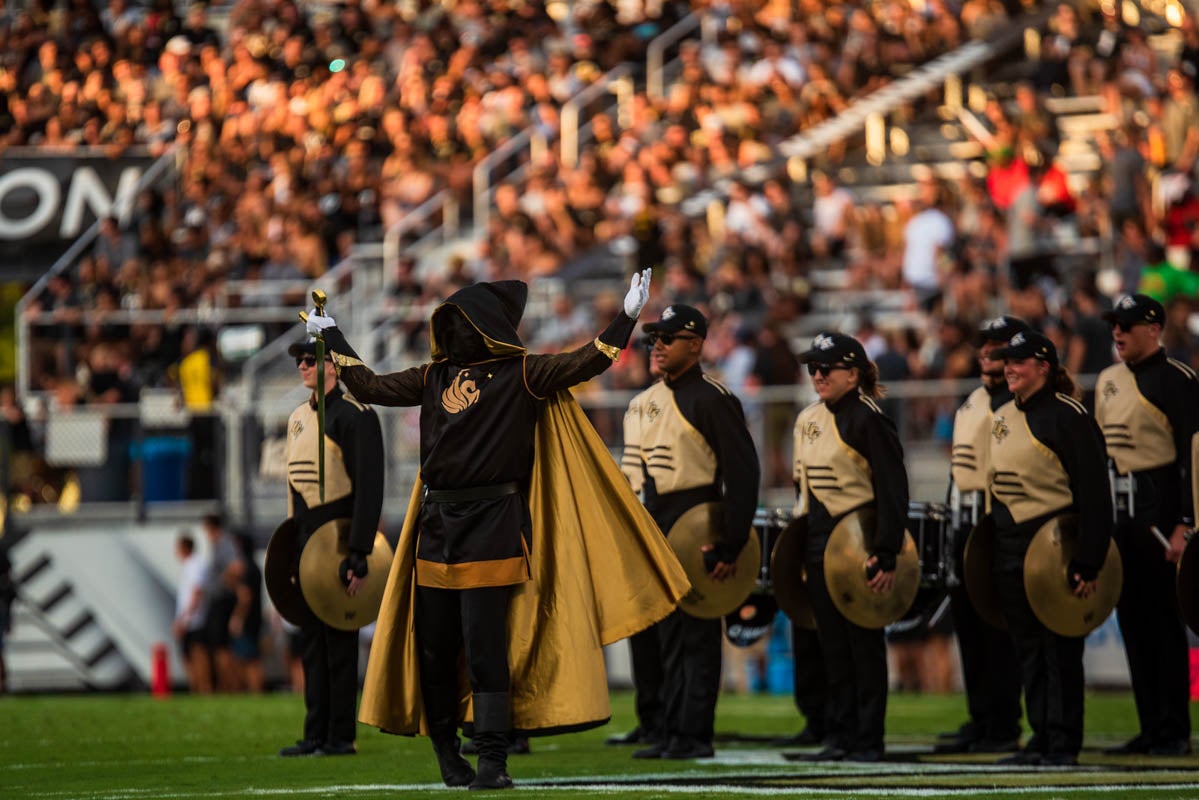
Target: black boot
455	770
493	762
492	721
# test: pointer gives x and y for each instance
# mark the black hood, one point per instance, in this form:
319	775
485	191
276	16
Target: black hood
494	309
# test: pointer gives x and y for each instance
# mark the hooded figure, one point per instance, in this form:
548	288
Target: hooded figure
495	613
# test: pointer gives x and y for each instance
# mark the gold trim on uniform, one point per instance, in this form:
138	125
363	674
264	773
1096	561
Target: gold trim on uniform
472	574
1137	435
838	476
1024	474
302	472
971	430
341	360
610	350
673	452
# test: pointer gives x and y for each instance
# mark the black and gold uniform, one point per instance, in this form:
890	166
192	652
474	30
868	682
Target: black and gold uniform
480	398
848	457
686	443
990	668
354	496
1046	459
1149	413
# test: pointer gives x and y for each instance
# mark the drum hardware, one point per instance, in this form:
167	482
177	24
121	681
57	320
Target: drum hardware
1047	580
754	618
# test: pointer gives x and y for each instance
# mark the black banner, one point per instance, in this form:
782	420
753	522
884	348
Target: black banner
47	202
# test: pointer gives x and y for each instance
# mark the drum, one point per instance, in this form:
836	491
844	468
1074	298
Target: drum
929	524
747	624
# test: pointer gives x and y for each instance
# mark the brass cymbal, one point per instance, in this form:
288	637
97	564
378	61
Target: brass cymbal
788	578
1187	584
709	599
1047	584
321	583
280	572
845	558
978	566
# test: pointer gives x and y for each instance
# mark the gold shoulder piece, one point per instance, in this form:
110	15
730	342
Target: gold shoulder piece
346	361
610	350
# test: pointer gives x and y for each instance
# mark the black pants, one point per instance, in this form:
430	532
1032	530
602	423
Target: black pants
646	651
811	683
691	659
450	622
990	668
855	661
330	659
1155	639
1051	670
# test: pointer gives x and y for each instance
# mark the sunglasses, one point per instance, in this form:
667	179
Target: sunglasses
825	369
667	338
308	361
1126	327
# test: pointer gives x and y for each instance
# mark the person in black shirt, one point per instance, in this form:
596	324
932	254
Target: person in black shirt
1148	409
990	669
848	457
1046	460
686	443
353	492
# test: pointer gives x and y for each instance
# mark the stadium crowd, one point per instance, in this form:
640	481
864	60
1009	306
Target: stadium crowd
302	129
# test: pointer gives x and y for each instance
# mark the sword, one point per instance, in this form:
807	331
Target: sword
319	298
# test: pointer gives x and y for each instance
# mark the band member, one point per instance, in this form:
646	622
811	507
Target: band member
990	669
1046	459
686	443
353	491
466	554
848	457
1148	409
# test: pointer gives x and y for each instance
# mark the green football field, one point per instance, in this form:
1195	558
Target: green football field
133	747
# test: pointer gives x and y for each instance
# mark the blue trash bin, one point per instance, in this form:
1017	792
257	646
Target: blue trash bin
164	468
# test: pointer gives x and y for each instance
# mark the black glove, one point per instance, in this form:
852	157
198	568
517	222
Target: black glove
355	561
1084	571
720	553
885	563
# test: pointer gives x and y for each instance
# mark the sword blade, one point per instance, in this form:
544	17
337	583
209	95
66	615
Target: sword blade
320	415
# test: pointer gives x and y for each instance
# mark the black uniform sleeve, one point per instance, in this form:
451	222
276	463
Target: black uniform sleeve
1078	443
1181	406
395	389
362	450
889	478
547	374
719	418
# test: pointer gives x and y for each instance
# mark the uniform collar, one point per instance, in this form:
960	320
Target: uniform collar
1154	360
332	394
1040	397
844	402
695	372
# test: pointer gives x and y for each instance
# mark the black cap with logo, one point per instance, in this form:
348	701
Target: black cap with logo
304	348
1001	329
678	318
835	348
1029	344
1133	308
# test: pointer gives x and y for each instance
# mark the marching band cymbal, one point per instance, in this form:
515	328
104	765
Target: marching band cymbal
709	599
845	558
788	578
1047	583
978	566
1187	584
321	583
280	572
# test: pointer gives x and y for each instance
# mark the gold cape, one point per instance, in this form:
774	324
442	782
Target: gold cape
601	571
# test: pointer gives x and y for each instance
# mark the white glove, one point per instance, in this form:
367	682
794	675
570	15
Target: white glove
638	294
317	324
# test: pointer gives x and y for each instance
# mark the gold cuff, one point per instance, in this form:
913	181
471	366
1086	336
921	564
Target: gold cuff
610	350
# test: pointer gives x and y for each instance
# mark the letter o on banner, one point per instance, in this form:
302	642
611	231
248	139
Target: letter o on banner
45	186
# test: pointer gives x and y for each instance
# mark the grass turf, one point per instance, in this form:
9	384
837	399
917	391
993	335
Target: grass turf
133	747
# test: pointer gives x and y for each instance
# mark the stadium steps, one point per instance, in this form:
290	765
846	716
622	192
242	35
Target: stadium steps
57	642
